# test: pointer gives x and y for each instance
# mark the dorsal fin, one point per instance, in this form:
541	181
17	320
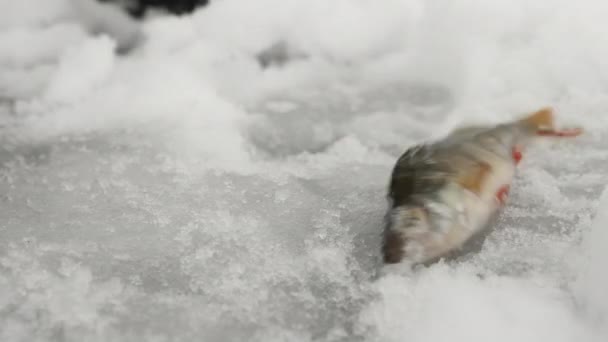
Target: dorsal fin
541	120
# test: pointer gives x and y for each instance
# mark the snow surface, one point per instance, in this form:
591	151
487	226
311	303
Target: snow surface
183	193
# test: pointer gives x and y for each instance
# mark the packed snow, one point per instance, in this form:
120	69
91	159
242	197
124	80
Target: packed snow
158	184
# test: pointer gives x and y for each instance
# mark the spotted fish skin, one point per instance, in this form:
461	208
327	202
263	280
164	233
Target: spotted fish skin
443	193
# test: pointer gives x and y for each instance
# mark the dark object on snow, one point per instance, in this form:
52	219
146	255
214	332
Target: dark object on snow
138	8
278	54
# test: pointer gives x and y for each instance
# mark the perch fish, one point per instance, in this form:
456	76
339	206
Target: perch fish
444	193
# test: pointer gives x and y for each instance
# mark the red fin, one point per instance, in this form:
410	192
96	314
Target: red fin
502	194
564	133
516	153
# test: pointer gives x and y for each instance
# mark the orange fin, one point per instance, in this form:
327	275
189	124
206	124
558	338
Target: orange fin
541	119
474	179
544	123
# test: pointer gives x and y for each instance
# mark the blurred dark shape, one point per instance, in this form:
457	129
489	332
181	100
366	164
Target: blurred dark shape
138	8
278	54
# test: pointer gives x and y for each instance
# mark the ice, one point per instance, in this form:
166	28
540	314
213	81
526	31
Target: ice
182	191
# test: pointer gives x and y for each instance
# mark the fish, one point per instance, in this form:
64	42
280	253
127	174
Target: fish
444	193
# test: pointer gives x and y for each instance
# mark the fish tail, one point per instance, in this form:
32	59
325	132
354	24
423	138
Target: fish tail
542	122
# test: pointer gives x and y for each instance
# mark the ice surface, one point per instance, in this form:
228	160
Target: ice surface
182	192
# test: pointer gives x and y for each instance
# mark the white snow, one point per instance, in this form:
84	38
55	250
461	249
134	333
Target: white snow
181	192
593	281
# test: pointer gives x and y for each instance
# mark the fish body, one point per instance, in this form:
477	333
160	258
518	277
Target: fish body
444	193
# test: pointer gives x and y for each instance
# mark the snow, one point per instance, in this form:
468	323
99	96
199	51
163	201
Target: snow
592	282
181	192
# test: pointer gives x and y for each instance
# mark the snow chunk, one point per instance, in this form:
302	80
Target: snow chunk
82	69
440	304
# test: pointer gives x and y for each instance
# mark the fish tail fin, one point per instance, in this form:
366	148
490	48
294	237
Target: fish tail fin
542	122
